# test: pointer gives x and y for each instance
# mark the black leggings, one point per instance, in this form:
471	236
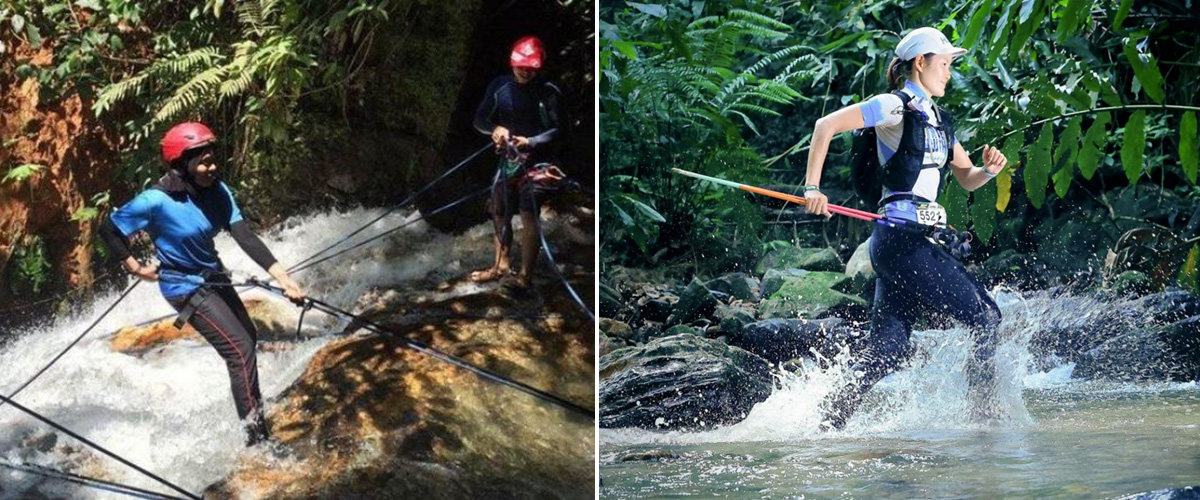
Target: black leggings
222	319
915	276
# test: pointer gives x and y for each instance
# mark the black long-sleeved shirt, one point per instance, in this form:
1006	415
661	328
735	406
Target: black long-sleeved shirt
528	110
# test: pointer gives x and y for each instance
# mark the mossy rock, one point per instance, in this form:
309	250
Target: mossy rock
810	259
814	295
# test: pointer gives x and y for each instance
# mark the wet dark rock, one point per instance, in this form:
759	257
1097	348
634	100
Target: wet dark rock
810	259
781	340
739	285
1169	306
606	344
733	318
773	279
681	329
680	382
1137	356
656	308
695	301
647	332
1182	339
648	456
1012	268
1185	493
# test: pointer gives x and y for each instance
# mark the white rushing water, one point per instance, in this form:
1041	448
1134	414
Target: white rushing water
928	394
170	411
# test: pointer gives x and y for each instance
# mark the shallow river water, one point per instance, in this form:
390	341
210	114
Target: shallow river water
1057	437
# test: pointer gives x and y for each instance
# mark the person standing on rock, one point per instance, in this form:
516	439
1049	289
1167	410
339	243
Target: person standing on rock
915	142
182	213
520	112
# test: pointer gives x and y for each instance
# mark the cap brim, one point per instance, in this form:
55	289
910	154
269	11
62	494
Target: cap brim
953	51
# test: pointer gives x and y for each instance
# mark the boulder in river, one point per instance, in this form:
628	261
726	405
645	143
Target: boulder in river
781	340
680	382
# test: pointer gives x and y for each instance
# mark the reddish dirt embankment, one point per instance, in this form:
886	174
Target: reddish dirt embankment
79	158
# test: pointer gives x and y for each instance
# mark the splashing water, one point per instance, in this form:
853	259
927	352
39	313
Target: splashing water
170	410
913	438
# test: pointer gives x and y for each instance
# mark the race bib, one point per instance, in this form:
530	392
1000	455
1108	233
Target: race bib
931	214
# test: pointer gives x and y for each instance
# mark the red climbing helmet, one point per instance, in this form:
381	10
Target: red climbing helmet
526	53
185	136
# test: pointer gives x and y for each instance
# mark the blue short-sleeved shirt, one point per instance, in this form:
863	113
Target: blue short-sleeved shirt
182	228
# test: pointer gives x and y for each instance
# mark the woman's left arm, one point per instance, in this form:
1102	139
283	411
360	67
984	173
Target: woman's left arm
971	177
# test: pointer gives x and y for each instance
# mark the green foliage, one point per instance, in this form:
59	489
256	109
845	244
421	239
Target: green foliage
1189	276
242	67
1093	145
684	94
1038	169
31	268
20	173
1065	156
1134	147
1187	145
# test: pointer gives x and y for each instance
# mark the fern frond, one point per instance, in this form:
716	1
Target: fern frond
758	18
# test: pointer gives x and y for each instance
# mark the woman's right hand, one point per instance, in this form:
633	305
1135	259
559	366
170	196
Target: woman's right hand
817	203
146	273
499	136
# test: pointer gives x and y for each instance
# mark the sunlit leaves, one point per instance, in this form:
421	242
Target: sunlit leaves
22	172
1012	152
1037	172
1134	146
1093	145
1187	145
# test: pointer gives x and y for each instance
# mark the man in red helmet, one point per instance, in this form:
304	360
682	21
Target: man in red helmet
520	112
183	212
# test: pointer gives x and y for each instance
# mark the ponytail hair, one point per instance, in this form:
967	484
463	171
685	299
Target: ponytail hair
898	71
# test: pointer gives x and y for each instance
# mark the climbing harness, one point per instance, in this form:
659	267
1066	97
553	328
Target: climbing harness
91	482
97	447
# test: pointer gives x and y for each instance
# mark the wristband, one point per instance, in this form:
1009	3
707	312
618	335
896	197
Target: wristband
811	188
989	174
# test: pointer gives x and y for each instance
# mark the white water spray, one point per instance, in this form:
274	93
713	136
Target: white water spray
170	410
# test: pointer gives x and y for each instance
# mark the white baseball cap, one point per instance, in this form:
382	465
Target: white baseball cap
924	41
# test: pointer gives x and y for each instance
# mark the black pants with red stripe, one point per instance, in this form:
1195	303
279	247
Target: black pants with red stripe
222	319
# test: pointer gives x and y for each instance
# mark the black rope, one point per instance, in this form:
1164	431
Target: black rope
394	207
567	284
76	341
97	447
392	230
91	482
439	355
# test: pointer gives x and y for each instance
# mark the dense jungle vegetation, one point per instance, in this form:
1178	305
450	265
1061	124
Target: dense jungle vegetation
315	103
1093	102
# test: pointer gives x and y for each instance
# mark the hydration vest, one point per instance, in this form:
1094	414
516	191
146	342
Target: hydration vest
899	174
